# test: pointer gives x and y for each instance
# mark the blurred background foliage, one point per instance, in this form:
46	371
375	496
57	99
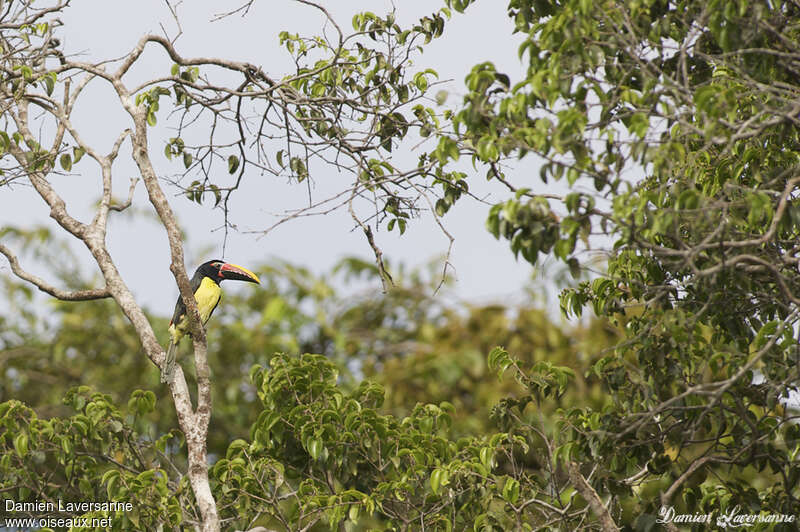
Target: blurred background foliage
420	347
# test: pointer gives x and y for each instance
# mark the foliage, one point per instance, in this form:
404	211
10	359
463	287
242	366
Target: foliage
299	443
93	455
319	454
682	117
352	100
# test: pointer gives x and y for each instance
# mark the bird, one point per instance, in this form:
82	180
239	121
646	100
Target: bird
207	293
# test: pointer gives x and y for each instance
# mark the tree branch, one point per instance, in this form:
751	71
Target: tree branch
591	496
76	295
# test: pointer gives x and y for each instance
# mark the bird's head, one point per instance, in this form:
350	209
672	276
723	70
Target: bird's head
219	270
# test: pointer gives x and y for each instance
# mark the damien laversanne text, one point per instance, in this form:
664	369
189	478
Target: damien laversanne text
67	506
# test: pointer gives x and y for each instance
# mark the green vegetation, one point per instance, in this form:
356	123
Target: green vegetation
398	418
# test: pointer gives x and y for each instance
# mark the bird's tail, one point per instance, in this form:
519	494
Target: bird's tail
169	363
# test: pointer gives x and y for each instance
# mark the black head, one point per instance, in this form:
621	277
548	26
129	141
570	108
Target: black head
219	270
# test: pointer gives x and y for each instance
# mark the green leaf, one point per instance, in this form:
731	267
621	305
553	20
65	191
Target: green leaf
499	360
511	490
315	447
297	166
233	164
66	162
21	444
439	478
487	456
442	207
66	446
765	333
50	84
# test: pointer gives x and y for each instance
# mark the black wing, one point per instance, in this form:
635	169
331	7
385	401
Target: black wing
180	308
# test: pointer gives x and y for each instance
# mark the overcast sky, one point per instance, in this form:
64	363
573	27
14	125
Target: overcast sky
485	268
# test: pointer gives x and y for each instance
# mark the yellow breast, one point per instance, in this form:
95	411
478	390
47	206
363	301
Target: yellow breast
207	296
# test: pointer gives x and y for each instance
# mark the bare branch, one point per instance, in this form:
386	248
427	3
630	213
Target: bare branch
122	206
386	279
76	295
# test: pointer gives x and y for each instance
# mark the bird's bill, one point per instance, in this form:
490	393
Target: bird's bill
235	272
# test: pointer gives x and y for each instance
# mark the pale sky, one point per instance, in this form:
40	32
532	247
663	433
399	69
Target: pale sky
485	268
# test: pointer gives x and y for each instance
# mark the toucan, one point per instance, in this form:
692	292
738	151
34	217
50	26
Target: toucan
207	293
